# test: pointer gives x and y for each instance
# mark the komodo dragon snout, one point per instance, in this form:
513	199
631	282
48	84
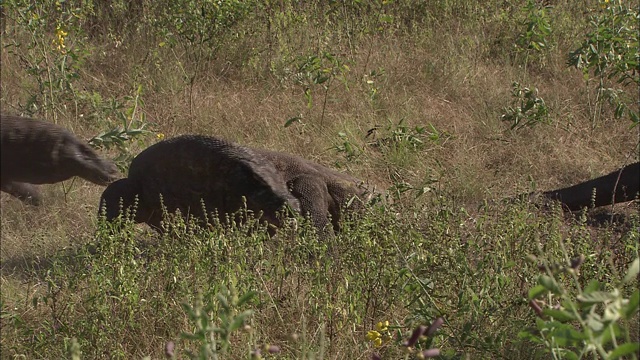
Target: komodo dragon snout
38	152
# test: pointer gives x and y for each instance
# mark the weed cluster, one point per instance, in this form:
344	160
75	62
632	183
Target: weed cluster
129	293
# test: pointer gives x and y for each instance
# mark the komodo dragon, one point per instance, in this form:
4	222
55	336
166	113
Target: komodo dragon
188	168
321	191
618	186
190	171
39	152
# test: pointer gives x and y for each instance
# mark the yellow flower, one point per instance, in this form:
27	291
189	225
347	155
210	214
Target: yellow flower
160	136
61	35
376	337
373	335
382	326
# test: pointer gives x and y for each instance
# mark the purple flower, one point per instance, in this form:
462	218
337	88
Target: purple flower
272	349
434	326
168	349
430	353
415	336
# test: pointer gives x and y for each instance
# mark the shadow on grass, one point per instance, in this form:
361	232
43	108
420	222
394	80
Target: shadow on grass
33	266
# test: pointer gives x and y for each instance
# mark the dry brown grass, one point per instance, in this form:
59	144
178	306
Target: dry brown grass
447	79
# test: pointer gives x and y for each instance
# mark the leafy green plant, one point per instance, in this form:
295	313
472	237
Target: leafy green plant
347	147
610	52
213	339
403	144
535	39
372	82
527	109
197	28
319	70
52	59
132	125
584	321
401	135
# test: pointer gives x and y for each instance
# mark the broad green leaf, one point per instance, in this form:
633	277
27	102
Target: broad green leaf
595	324
550	284
613	331
246	297
596	297
594	285
537	291
567	304
569	355
548	325
529	335
560	315
632	274
292	120
624	349
566	335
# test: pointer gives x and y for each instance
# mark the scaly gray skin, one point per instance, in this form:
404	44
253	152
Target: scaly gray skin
192	170
27	193
321	191
39	152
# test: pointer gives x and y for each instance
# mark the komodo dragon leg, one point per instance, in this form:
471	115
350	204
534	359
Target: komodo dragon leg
27	193
314	201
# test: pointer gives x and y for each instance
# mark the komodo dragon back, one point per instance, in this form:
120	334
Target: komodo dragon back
52	152
39	152
192	170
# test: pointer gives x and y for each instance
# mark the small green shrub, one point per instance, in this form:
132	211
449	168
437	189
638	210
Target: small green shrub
216	321
610	52
534	41
131	125
52	50
527	109
580	321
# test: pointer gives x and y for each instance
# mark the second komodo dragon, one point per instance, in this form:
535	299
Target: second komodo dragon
190	170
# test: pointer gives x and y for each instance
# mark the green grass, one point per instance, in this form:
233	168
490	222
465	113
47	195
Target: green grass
406	95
